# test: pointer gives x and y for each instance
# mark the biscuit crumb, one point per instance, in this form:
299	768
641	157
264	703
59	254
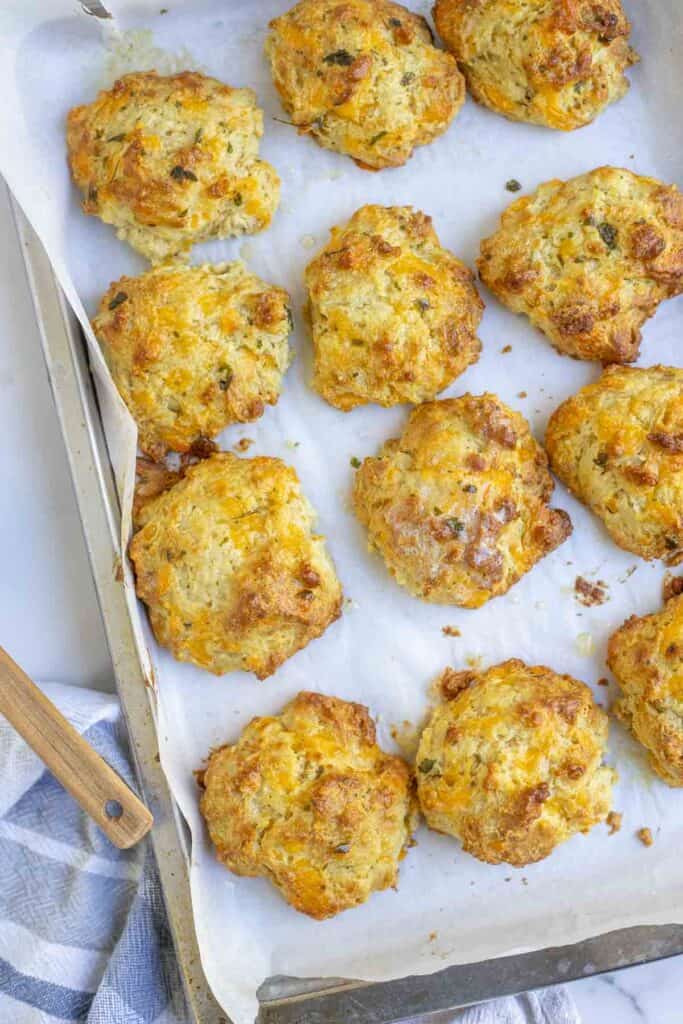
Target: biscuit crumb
506	349
603	681
521	394
513	185
590	594
645	836
673	586
244	444
450	631
613	821
308	241
432	936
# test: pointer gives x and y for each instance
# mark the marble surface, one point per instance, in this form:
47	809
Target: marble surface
49	619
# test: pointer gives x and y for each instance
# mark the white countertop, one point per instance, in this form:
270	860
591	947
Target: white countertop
49	619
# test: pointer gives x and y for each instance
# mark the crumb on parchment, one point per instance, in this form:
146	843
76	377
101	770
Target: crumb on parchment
603	681
645	836
613	821
450	631
244	444
590	594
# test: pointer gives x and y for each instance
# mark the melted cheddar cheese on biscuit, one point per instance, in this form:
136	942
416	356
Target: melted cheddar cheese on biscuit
510	762
393	315
229	567
646	657
363	77
618	445
589	260
557	63
170	161
192	349
458	505
309	801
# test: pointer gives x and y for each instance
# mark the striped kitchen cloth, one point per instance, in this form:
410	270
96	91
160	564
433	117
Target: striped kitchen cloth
83	933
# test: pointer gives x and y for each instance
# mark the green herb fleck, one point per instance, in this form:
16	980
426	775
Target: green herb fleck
226	378
180	174
395	22
469	488
671	543
426	766
422	304
355	462
408	78
342	848
601	459
117	138
164	10
512	185
455	526
341	57
608	233
290	319
237	199
117	300
377	137
198	135
230	147
92	194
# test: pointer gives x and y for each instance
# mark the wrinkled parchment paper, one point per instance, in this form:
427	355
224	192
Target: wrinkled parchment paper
387	647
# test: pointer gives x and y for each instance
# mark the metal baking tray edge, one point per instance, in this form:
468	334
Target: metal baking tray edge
283	1000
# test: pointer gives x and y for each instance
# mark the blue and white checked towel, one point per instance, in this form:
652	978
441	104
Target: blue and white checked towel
83	933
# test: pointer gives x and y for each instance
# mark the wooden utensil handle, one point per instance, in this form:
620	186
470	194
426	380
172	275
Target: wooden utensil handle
92	783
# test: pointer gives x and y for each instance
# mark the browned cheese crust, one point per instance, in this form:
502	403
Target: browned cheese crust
511	762
557	63
393	315
646	657
229	567
363	77
618	445
171	161
458	505
192	349
589	260
309	801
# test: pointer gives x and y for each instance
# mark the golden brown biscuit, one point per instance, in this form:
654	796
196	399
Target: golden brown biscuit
458	505
618	445
171	161
556	64
589	260
646	657
192	349
511	762
227	562
393	315
308	800
363	78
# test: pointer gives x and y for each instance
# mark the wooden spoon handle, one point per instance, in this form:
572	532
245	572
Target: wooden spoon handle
92	783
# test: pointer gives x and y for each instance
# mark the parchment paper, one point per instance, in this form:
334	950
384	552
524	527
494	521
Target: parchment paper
387	647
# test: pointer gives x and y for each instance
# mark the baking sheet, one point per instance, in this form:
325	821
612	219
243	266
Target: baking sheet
387	647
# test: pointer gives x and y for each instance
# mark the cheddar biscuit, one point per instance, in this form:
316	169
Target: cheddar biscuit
557	64
458	505
363	77
646	657
229	567
309	801
618	445
171	161
192	349
393	315
589	260
510	762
